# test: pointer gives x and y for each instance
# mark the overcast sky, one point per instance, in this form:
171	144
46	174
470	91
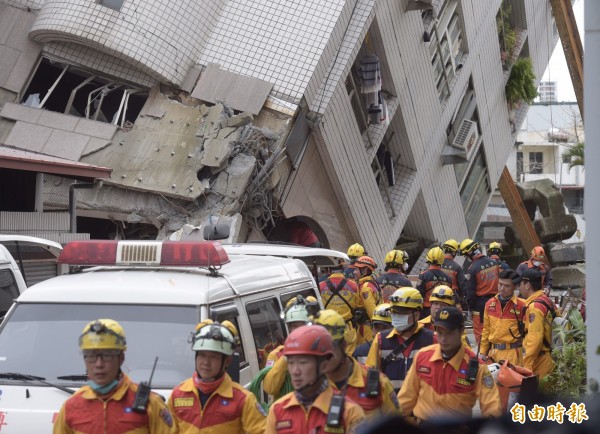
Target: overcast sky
557	67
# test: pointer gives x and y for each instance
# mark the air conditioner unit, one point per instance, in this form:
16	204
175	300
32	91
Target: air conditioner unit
467	136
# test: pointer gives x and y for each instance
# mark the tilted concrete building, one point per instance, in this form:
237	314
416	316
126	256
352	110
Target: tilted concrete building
378	121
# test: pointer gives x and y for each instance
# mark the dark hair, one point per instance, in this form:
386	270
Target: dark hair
535	285
508	274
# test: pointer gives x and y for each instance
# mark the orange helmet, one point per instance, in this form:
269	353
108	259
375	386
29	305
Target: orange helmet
538	252
311	340
366	261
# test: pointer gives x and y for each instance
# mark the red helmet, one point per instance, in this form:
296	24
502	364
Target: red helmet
366	261
311	340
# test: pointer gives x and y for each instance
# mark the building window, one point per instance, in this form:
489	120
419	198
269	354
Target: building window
267	327
536	163
446	48
73	91
112	4
475	192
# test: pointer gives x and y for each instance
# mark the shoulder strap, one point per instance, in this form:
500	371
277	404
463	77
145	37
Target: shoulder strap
336	291
548	307
399	349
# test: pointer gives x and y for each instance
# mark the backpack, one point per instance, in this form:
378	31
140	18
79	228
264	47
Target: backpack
560	327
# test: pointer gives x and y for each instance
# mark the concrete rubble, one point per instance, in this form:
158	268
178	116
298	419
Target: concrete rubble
184	162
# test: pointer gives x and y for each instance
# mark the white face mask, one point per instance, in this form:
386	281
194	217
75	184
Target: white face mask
401	321
405	266
536	263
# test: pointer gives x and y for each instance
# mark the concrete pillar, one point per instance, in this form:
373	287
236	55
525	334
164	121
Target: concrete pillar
592	193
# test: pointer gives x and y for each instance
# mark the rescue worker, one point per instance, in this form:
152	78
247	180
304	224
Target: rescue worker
295	316
370	293
392	351
394	276
381	321
503	328
355	251
432	277
308	350
455	272
494	251
105	403
350	377
342	294
537	355
440	383
482	278
441	296
210	400
537	261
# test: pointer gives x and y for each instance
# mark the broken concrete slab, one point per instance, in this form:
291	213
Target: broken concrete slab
94	145
98	129
572	276
28	136
556	228
57	120
216	152
238	120
19	112
567	253
232	181
65	144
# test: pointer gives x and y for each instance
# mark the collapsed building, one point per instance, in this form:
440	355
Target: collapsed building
383	122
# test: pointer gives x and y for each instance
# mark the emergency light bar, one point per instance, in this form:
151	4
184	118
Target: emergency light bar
157	253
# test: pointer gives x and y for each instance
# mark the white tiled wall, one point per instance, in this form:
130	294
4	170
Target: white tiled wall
32	4
161	38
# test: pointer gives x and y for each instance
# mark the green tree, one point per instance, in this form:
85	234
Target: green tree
521	83
574	155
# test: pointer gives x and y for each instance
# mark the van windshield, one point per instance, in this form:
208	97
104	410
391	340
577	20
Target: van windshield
42	340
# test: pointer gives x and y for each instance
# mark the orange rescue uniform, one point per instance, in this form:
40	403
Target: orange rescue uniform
499	326
370	294
230	409
384	404
434	387
288	416
538	323
86	413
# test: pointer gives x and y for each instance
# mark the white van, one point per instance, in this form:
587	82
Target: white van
157	291
11	281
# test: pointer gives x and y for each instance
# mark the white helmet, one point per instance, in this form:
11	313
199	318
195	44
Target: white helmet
214	337
494	369
296	313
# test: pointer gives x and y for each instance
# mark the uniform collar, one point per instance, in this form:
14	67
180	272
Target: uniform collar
336	275
435	267
406	334
455	361
426	320
117	395
225	389
366	279
321	402
536	294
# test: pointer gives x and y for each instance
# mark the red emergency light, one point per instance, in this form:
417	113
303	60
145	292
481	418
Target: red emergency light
153	253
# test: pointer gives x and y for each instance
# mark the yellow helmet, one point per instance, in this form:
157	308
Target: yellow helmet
442	294
356	251
495	247
467	246
394	257
435	255
332	321
407	297
382	314
103	334
295	300
450	246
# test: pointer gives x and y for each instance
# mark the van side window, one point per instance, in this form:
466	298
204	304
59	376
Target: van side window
232	316
267	327
305	293
8	290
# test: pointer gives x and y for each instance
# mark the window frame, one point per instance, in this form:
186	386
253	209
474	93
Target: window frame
110	4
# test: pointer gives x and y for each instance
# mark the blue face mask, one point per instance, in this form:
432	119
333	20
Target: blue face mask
103	390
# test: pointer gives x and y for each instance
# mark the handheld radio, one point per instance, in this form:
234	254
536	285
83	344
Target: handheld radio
143	393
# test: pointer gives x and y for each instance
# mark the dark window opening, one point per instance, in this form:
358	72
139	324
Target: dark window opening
17	190
103	229
536	163
66	89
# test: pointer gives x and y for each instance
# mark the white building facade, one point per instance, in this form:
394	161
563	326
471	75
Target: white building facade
395	120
